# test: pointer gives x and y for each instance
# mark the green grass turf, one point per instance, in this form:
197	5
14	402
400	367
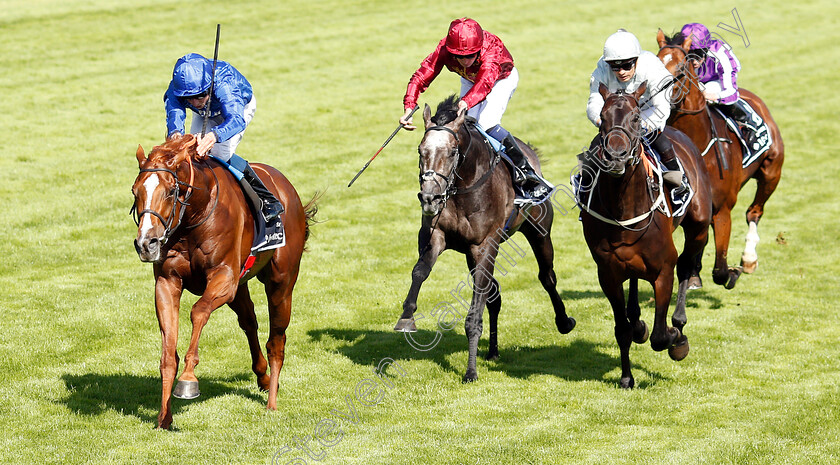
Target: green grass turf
82	86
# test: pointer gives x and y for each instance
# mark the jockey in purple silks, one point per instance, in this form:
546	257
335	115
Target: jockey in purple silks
717	68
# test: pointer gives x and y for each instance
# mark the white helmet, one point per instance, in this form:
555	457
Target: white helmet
622	45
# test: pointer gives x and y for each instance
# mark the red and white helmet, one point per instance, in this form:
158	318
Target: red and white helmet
465	37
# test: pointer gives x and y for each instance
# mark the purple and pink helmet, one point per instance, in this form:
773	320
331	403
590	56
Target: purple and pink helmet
700	37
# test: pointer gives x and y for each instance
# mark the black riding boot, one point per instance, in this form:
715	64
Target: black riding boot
262	199
743	116
524	174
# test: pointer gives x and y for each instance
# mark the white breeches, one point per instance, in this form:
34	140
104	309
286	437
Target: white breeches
224	150
489	111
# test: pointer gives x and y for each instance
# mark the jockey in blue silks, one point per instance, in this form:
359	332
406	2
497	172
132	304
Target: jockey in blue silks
228	111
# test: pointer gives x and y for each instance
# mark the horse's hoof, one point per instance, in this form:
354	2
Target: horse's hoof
186	390
470	376
567	326
679	350
695	282
734	274
749	266
627	383
263	384
492	355
641	332
406	325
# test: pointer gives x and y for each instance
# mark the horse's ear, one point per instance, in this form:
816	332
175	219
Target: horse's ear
603	90
141	155
188	146
640	91
686	45
459	120
427	115
660	38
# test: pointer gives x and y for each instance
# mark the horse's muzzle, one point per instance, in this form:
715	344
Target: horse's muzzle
148	249
430	203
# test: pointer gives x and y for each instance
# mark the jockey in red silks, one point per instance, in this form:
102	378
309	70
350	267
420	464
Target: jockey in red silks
717	68
488	81
228	111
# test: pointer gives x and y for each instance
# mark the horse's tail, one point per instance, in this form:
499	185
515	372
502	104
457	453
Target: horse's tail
310	210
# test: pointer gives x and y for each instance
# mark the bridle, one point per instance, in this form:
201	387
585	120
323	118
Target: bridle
616	164
168	225
448	187
632	159
682	83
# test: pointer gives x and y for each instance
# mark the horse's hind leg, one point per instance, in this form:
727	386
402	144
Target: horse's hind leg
279	314
634	313
544	252
244	308
722	273
767	178
485	288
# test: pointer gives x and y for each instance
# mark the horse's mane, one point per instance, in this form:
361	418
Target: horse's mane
447	110
677	39
169	148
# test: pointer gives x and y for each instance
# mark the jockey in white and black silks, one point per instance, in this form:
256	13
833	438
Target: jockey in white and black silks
488	81
229	111
624	66
717	69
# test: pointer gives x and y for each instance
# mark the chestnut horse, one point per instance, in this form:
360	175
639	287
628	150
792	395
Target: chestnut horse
468	206
691	116
629	235
195	226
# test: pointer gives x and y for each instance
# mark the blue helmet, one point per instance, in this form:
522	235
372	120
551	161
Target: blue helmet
191	75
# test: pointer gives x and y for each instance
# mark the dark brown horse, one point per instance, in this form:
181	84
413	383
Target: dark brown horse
629	235
691	116
197	229
467	201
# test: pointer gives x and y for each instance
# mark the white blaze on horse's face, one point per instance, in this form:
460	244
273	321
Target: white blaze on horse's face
437	161
146	221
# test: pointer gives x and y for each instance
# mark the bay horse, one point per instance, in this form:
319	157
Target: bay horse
467	201
629	235
690	114
195	226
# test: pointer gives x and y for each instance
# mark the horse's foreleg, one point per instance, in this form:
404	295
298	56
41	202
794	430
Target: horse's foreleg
167	302
484	288
696	235
722	274
247	318
612	288
220	290
767	178
430	244
634	313
663	336
544	252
